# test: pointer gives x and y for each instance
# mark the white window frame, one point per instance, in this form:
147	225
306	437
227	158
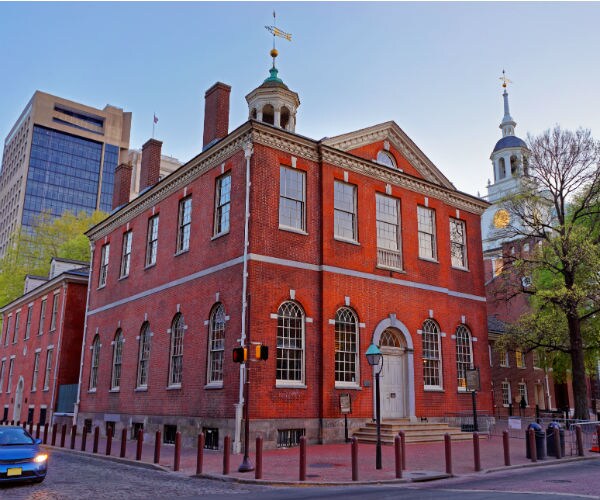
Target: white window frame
184	224
431	329
103	270
28	324
458	244
344	195
216	345
126	254
504	360
287	336
48	372
222	217
346	328
95	363
144	347
117	361
152	240
426	215
292	199
11	368
16	327
42	316
506	394
54	311
36	369
2	368
523	392
7	331
520	361
389	249
464	355
176	351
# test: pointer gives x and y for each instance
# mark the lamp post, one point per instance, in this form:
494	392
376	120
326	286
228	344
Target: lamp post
375	359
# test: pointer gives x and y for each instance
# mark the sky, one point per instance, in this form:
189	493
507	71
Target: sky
433	68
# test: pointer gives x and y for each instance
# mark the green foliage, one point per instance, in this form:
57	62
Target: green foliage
52	237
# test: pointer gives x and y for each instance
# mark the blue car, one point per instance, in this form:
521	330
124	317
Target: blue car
21	458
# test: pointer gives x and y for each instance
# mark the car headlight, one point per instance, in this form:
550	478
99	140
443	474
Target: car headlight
40	458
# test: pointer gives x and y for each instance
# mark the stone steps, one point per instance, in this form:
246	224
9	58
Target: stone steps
415	432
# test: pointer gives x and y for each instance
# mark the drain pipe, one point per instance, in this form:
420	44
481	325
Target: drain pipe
239	407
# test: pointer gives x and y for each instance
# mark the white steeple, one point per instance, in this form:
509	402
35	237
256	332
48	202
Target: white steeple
508	124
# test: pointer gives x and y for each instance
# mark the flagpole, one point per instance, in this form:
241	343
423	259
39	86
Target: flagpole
153	123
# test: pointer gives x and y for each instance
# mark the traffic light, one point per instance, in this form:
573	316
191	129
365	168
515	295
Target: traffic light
262	352
240	354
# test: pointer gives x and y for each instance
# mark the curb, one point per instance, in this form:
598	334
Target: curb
544	463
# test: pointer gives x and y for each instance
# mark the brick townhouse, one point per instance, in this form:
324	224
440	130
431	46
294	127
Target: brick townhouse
314	248
40	346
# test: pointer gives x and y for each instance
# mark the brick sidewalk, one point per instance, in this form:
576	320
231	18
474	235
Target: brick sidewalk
329	462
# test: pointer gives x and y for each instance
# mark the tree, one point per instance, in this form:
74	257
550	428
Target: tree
558	211
31	253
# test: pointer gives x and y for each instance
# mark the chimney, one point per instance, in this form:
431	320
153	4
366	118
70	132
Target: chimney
150	169
216	113
122	185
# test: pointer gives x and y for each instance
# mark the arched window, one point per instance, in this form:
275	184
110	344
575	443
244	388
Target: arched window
143	355
268	114
464	355
176	350
514	166
389	339
115	379
284	118
216	344
386	159
432	363
95	362
346	346
501	168
525	166
290	343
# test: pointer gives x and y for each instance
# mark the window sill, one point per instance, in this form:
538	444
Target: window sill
214	385
464	269
346	240
351	386
433	389
428	259
289	385
121	278
100	287
393	269
174	387
149	266
181	252
52	331
114	390
293	230
91	391
45	389
217	236
463	390
141	389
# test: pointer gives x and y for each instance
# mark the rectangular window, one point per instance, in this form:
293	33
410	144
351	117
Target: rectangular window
28	325
222	204
54	312
212	438
43	416
11	366
523	393
152	241
48	369
497	266
291	198
2	368
536	359
169	434
16	330
503	355
42	317
458	244
7	331
126	254
36	369
388	232
506	396
520	358
344	211
426	230
103	265
184	224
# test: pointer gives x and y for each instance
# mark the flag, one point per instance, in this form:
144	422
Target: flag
155	119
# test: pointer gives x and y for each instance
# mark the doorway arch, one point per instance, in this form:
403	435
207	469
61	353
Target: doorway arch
18	400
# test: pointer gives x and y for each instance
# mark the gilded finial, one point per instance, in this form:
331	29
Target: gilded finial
505	81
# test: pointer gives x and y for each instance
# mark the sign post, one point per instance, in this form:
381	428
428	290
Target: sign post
473	385
345	408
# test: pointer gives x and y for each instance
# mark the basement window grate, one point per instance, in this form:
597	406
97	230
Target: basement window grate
288	438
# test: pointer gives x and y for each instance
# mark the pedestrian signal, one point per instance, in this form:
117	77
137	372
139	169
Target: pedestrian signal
262	352
240	354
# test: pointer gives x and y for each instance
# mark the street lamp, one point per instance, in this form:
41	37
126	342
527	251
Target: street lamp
375	359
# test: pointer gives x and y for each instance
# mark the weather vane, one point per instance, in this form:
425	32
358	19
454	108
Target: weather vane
505	81
276	32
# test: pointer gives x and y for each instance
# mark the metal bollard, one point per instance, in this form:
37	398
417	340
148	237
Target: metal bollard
37	431
403	445
579	436
200	456
84	434
25	424
302	472
123	442
557	446
96	439
109	436
398	456
226	450
140	442
31	428
177	458
157	444
45	438
63	435
448	453
54	429
476	452
259	449
506	446
354	459
73	436
532	448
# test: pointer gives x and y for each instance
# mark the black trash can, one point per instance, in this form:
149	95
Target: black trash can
540	441
550	439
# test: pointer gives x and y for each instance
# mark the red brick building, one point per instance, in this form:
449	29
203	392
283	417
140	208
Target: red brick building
40	346
313	248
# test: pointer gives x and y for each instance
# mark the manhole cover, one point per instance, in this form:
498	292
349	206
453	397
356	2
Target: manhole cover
559	481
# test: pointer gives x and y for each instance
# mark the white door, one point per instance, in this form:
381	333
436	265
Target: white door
393	385
18	401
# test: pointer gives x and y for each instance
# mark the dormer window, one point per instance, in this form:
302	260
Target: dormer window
385	158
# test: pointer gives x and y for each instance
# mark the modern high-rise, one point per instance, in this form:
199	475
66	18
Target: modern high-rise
60	155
